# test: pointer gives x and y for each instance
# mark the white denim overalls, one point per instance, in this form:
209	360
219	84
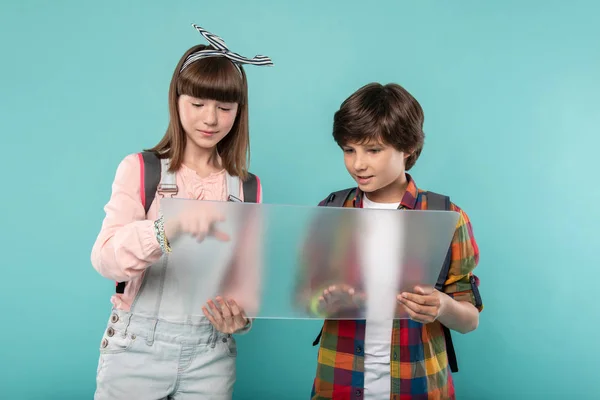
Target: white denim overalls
164	347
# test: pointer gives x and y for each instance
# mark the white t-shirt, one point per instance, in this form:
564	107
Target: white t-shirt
380	279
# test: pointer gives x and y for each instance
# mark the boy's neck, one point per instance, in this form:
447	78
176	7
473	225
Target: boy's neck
393	193
203	161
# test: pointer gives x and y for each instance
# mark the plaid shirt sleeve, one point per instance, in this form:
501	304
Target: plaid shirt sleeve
461	283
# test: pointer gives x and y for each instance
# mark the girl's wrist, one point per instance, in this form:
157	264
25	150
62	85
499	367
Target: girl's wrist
161	237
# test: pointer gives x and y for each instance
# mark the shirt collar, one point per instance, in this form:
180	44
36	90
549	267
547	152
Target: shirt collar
409	200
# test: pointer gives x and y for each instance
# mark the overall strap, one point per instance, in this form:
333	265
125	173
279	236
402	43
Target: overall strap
233	187
168	180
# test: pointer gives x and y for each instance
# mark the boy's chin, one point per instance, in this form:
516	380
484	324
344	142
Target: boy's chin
368	188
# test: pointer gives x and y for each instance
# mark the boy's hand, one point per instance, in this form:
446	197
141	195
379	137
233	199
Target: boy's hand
425	305
338	299
228	318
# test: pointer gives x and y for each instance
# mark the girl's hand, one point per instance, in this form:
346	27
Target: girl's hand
228	317
425	305
198	221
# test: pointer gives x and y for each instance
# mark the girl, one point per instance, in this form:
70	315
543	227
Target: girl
157	345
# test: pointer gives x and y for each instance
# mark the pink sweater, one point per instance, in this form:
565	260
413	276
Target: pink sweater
127	245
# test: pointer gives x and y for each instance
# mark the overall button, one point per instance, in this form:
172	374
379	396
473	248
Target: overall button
114	318
224	340
110	332
104	343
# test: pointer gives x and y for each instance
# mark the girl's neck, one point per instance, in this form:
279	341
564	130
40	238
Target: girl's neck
203	161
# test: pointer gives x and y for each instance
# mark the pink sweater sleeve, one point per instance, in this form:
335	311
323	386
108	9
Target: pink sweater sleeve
126	244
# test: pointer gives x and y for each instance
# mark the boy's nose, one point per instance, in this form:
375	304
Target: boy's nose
359	164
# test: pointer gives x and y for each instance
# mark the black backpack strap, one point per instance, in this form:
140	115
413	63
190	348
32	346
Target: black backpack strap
151	169
335	199
318	338
151	176
250	188
440	202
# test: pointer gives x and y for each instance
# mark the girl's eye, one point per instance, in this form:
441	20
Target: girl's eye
225	109
197	104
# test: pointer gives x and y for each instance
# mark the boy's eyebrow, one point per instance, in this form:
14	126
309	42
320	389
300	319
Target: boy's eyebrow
373	144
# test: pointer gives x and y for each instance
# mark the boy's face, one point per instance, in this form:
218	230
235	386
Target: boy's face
376	168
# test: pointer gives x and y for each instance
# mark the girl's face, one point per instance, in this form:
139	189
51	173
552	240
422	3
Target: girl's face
206	122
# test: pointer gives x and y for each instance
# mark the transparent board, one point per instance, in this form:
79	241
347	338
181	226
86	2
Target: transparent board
277	261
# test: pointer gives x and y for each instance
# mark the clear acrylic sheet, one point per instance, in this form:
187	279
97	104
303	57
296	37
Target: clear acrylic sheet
279	259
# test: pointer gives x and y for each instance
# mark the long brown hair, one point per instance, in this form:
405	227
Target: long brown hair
214	78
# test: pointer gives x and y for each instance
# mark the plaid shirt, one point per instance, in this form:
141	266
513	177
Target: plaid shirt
418	361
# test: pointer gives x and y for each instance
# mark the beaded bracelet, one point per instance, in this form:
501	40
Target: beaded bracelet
159	229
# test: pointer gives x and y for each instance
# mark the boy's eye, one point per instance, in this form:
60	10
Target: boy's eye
374	150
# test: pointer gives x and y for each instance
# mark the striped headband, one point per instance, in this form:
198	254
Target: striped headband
221	50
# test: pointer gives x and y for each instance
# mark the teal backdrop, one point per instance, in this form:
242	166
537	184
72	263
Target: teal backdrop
511	97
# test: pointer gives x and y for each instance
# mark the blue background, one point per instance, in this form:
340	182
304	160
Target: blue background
510	93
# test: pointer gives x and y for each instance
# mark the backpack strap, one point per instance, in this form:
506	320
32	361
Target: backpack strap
335	199
251	188
440	202
150	173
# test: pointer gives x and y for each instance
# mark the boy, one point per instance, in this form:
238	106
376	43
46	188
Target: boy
380	130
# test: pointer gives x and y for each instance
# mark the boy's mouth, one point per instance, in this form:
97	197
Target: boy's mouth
363	180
